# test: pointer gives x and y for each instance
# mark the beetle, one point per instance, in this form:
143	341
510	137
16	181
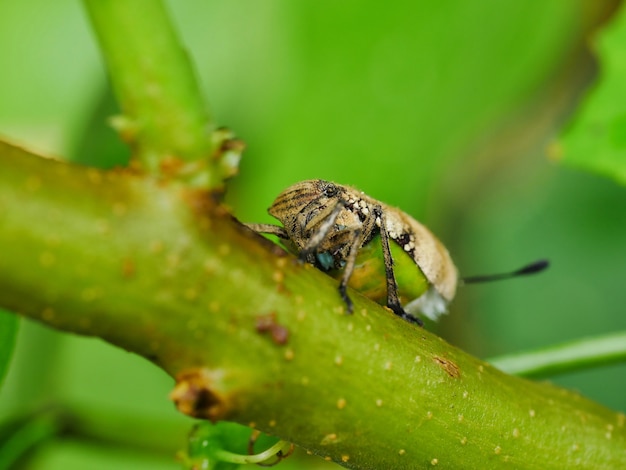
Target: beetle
341	230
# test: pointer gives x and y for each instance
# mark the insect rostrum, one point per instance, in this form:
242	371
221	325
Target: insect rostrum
366	244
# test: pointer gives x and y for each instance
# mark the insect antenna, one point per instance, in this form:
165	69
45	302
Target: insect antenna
532	268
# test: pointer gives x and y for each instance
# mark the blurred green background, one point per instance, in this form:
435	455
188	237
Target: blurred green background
448	110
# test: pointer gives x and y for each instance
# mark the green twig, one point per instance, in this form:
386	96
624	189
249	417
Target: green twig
566	357
164	116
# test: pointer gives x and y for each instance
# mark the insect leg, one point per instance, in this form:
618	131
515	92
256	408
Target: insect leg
393	302
357	241
269	229
322	231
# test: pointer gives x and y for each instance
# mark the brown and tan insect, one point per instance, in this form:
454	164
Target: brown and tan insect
328	225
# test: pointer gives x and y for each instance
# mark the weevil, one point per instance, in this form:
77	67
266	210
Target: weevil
352	236
355	238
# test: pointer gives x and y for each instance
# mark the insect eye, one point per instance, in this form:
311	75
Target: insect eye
331	190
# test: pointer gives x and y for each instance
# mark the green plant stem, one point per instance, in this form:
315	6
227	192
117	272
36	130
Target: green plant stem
566	357
30	434
8	331
108	426
159	270
164	116
232	457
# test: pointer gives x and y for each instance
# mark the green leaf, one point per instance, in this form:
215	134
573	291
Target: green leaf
8	331
597	139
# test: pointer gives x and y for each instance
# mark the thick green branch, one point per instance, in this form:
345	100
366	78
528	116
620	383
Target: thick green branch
165	118
159	270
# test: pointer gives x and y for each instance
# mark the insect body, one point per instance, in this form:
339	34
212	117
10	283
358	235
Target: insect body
357	238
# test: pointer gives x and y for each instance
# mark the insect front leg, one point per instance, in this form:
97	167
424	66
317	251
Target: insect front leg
355	245
393	301
270	229
326	223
